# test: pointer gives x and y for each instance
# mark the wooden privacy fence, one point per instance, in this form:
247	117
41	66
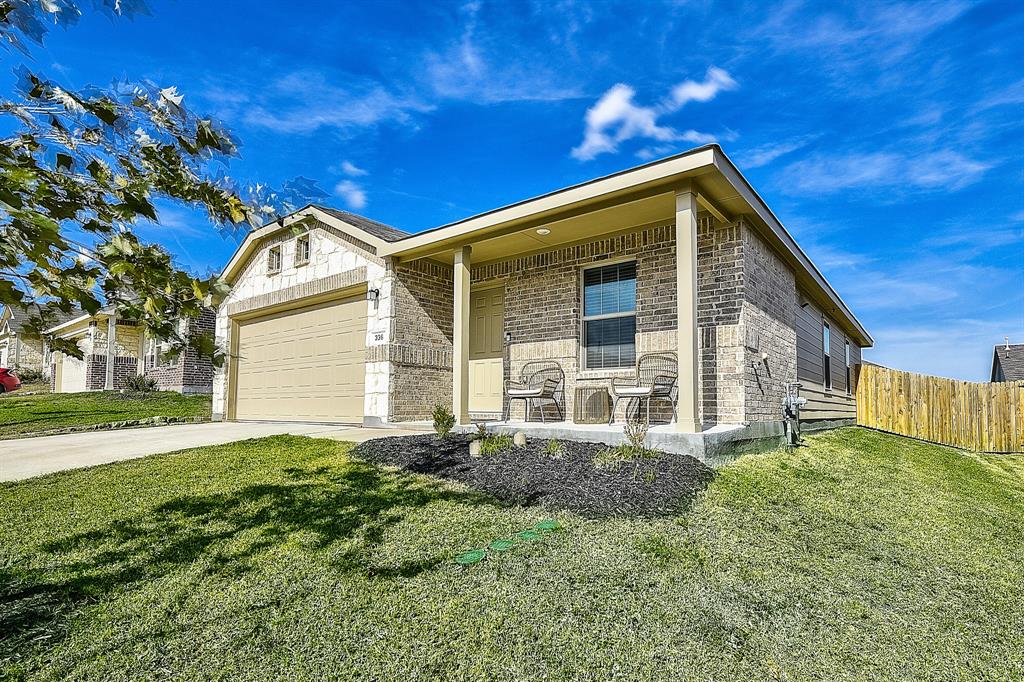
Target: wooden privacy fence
973	416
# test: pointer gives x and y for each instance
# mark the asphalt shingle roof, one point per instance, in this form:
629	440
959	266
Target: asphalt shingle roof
1010	360
385	232
19	316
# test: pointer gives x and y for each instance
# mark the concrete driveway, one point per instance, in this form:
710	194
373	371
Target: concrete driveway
27	457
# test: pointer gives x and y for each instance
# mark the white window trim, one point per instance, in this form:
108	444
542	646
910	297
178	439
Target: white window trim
826	352
309	249
584	318
280	259
849	369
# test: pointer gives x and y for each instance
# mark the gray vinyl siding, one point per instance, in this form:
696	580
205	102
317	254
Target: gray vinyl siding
809	361
809	367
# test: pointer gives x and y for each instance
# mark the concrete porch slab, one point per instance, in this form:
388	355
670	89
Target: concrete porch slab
715	446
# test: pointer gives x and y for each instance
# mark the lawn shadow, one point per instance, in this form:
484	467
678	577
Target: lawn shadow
224	535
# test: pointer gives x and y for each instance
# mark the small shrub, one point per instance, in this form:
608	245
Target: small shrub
444	420
481	432
495	444
141	384
636	432
29	376
613	456
554	448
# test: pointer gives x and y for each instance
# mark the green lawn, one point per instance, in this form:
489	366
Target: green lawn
25	415
863	556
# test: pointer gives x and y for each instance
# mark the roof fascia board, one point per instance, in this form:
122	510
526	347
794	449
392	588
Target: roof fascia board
754	200
659	171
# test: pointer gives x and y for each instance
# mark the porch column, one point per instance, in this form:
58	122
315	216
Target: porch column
460	336
141	367
111	337
687	342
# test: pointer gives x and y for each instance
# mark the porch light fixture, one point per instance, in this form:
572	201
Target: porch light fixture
373	295
543	231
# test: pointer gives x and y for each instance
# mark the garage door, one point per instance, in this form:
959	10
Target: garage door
70	371
303	365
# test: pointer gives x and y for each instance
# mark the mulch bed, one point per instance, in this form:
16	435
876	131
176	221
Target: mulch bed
661	485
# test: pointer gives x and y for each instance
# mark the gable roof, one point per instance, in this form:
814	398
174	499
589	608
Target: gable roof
660	175
375	235
1008	362
17	317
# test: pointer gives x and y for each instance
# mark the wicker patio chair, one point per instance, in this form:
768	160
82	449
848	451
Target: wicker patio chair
540	381
656	375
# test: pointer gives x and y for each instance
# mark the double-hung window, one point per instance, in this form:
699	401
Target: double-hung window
609	316
274	260
302	250
826	340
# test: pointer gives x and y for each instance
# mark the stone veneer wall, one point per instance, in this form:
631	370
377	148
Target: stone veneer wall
420	351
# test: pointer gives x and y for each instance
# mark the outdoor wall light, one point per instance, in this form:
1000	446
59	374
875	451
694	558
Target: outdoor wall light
543	232
373	295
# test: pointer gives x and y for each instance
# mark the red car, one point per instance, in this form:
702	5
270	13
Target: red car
9	381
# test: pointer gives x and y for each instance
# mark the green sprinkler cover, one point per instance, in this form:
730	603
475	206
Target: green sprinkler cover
474	556
548	524
528	535
501	545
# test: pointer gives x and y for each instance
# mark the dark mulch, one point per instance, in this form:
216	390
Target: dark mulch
645	487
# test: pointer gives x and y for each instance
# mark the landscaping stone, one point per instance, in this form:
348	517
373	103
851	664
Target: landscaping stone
660	485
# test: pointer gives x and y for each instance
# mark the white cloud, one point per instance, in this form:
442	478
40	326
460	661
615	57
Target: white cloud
476	67
305	101
352	194
616	118
765	154
959	348
826	173
715	81
350	169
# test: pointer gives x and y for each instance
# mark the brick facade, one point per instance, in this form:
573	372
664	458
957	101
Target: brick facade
420	351
189	373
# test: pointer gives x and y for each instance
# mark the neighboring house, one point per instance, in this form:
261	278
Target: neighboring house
15	350
353	321
1008	362
114	349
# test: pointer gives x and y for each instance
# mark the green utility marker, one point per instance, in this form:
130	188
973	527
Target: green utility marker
548	525
501	545
528	535
473	556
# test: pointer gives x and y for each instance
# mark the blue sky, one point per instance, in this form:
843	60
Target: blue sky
888	138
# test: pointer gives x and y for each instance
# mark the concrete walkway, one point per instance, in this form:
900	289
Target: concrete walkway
27	457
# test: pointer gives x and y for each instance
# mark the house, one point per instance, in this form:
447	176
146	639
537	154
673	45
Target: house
338	318
17	348
17	351
1008	362
114	349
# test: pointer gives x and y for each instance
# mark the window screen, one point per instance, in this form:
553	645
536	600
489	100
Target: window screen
609	316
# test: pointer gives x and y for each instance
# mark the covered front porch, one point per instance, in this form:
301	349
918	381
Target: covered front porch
588	294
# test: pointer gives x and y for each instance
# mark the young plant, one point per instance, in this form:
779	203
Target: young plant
554	448
141	384
636	433
444	420
495	444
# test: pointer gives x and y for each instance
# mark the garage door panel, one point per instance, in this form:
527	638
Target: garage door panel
307	364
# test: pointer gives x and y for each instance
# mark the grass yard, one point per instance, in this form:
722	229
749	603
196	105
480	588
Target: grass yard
29	414
862	556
